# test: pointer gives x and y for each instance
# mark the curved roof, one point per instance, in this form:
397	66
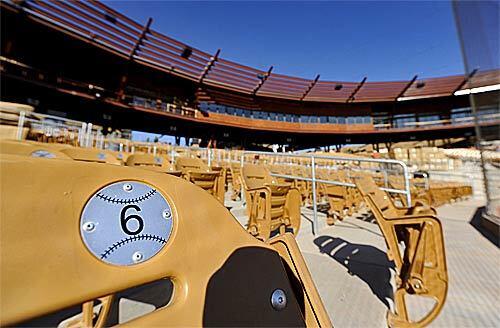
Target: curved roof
102	26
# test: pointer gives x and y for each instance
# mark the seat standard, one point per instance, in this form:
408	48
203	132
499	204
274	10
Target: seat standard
421	266
271	206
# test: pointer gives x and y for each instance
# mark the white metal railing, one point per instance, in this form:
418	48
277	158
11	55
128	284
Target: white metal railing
314	180
87	135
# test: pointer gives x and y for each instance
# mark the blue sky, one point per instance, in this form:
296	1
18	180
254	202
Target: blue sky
339	40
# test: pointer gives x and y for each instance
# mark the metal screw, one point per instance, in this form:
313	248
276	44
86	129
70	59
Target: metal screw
278	299
167	214
137	257
127	187
89	226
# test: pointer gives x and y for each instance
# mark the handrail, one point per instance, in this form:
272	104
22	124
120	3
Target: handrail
406	191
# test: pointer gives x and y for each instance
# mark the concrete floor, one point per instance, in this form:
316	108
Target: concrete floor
354	278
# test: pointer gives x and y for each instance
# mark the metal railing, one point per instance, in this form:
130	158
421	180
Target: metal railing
314	179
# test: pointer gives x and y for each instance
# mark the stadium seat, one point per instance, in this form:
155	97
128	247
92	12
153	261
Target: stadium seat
56	268
90	155
271	207
197	172
153	163
421	266
221	180
25	148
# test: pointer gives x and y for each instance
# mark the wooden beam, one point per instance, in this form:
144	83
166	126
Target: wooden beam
313	83
261	82
138	43
209	66
467	78
351	97
406	87
133	51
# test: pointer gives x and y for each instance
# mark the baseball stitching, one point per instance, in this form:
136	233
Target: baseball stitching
126	201
124	241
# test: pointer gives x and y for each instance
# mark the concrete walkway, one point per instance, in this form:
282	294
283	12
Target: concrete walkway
354	278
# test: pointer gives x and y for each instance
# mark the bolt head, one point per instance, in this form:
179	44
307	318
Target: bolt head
167	214
278	299
127	187
137	257
89	226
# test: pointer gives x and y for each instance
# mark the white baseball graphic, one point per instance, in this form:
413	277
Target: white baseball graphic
126	223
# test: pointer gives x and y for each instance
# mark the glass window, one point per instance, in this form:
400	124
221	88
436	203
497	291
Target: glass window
323	119
341	120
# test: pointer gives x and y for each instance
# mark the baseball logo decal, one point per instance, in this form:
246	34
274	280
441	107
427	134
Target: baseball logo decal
126	223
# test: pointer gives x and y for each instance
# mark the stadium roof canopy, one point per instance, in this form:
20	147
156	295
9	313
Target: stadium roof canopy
104	27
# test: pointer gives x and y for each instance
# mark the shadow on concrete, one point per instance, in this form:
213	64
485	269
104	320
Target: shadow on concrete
478	222
366	262
367	217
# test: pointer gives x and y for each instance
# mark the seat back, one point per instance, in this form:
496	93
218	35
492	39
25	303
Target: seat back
196	171
49	267
90	155
270	205
256	176
24	148
186	164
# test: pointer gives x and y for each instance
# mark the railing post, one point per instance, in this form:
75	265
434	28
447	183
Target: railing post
89	133
242	189
315	206
20	125
209	157
407	184
81	134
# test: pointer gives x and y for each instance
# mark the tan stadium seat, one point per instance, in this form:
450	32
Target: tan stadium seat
271	206
221	180
50	271
90	155
197	172
153	163
121	156
25	148
421	263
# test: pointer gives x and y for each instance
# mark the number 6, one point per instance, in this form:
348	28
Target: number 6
124	220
